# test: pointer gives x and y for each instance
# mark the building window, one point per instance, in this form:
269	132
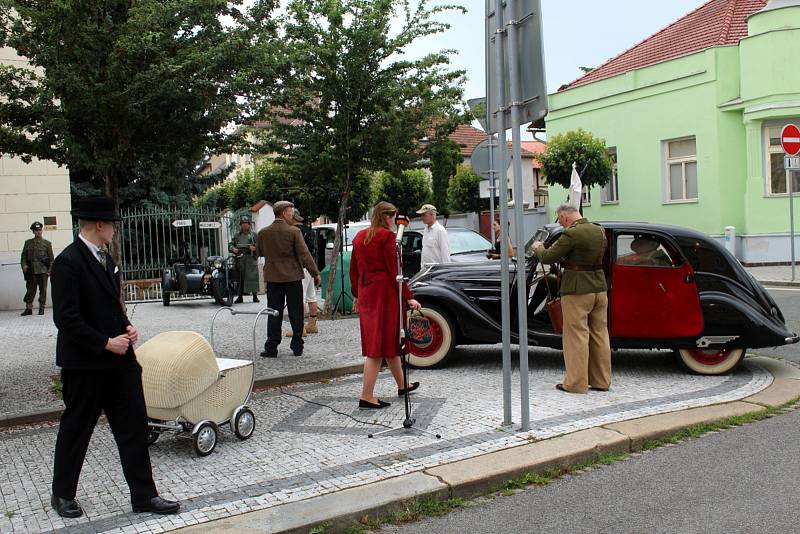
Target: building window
586	197
681	169
610	193
777	181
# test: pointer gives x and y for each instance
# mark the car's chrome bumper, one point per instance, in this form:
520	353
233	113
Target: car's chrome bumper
792	339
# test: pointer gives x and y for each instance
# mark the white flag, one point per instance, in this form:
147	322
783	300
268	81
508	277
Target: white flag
575	188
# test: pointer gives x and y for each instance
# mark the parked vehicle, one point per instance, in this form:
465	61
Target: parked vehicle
324	236
465	246
669	288
216	277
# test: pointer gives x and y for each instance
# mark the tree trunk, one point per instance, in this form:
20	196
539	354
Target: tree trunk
337	246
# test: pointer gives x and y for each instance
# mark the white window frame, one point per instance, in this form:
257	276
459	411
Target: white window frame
613	184
767	160
667	161
586	197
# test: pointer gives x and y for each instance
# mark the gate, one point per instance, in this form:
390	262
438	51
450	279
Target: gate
152	240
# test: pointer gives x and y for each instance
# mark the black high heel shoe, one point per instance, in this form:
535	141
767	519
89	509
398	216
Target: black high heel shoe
366	405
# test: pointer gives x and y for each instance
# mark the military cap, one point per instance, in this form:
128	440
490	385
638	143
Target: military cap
280	206
36	226
244	219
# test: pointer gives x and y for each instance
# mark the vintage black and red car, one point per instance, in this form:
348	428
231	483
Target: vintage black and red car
669	288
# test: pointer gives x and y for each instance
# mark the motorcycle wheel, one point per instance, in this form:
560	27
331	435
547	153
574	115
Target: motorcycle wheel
222	293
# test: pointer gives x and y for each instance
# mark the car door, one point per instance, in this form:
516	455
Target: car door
653	291
412	253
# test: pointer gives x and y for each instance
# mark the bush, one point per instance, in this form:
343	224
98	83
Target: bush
463	194
577	146
408	191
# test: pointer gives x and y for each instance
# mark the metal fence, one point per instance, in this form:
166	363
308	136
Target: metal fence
152	240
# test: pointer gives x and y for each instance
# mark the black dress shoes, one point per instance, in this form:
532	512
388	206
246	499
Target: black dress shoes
238	300
366	405
157	505
255	298
412	387
298	352
66	507
267	354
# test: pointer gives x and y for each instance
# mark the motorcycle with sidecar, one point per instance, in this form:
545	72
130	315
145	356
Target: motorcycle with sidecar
188	276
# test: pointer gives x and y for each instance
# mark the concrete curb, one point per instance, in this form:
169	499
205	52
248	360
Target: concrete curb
779	283
486	473
51	415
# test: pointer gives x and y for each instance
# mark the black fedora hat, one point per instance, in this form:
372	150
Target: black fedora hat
99	208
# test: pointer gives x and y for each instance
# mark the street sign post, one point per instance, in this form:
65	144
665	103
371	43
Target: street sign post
790	141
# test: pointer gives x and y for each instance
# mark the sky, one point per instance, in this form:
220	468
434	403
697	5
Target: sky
577	33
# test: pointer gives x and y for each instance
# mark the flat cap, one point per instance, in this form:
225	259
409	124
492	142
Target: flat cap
281	205
297	216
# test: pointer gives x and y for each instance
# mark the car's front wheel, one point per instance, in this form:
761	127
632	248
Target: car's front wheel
710	361
442	340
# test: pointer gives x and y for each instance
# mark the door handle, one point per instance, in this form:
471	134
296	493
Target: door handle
689	279
660	285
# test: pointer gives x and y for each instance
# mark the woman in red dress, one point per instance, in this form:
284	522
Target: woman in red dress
373	279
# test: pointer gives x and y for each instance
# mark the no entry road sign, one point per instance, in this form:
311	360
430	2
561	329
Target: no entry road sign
790	139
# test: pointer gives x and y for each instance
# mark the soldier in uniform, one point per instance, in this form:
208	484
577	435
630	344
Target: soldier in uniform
36	259
244	244
584	301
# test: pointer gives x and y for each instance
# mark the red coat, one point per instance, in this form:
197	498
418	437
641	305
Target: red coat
373	279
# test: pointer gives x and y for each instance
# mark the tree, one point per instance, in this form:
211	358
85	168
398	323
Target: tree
463	194
130	95
349	102
408	191
445	157
581	147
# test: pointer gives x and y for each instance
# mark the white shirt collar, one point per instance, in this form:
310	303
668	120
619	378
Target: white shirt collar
94	249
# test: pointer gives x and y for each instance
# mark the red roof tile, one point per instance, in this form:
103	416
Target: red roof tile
534	147
468	137
715	23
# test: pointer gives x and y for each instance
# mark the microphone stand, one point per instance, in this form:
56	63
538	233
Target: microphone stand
408	421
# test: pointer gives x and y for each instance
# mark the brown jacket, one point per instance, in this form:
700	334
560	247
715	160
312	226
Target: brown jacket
285	251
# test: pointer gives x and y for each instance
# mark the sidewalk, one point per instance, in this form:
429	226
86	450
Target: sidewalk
310	459
776	275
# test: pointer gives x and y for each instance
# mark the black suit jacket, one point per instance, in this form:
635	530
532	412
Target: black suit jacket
86	310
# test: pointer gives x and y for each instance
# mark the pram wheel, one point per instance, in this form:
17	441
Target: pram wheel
205	438
152	436
244	423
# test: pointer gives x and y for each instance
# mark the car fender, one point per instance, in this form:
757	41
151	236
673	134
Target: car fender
471	322
762	330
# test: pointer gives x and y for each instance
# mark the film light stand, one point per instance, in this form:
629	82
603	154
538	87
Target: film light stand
408	421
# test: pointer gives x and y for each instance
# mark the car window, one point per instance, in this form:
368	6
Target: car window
412	242
462	241
704	257
644	250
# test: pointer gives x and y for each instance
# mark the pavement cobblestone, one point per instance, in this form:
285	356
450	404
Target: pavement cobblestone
311	439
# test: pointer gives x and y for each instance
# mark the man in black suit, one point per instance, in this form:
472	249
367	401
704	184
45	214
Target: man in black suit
99	371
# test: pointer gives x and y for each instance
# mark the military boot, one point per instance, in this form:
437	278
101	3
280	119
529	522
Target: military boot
311	325
27	311
41	311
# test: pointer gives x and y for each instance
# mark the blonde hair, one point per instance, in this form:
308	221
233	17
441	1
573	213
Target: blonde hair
378	219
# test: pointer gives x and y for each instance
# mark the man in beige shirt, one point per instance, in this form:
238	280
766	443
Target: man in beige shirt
286	255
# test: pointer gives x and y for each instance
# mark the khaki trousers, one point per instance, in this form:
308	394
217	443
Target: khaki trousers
587	351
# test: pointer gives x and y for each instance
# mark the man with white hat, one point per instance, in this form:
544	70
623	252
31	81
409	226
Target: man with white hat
435	248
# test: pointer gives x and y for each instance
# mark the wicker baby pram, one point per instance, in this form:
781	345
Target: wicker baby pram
188	390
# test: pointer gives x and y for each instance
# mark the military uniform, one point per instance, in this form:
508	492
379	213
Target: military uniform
584	303
246	264
36	260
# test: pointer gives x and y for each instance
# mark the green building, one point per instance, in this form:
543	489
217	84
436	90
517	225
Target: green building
692	115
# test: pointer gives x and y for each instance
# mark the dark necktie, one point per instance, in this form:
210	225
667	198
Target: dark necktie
101	255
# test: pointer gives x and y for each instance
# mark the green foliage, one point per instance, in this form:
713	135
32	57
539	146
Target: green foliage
445	157
463	194
408	191
131	95
577	146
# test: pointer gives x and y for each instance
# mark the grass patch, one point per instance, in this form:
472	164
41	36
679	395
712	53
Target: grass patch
55	385
320	529
9	514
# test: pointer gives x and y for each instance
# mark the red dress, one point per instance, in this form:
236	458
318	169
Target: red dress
373	273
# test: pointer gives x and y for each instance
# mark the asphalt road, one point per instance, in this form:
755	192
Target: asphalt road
742	479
